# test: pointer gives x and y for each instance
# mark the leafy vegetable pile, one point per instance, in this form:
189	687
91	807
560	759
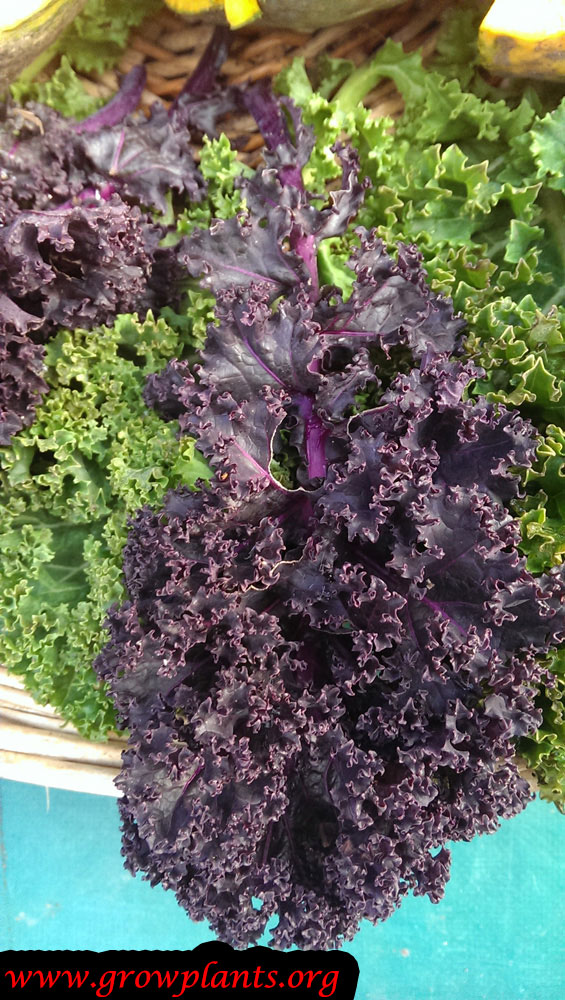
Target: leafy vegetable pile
75	247
327	654
339	608
82	241
91	457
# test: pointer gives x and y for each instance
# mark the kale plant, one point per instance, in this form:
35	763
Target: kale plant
328	653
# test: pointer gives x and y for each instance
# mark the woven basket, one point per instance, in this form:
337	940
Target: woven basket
170	49
35	744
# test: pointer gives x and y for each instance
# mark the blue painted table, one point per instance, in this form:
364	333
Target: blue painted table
498	934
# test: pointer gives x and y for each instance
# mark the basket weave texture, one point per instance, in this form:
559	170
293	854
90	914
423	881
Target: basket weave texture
170	49
36	746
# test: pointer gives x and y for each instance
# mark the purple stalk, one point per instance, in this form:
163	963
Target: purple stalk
437	607
204	78
192	778
316	435
118	152
125	101
267	112
269	115
326	782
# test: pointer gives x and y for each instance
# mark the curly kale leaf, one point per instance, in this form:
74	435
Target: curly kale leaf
321	678
90	459
324	673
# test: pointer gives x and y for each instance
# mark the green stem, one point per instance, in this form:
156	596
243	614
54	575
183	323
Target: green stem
357	86
360	83
29	74
553	204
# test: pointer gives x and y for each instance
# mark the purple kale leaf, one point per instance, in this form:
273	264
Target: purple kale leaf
145	159
274	243
49	161
296	367
299	368
289	142
319	701
141	158
41	161
74	266
21	384
323	683
74	251
392	299
203	101
80	265
326	655
122	104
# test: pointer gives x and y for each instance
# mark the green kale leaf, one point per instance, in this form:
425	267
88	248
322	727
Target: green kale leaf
93	455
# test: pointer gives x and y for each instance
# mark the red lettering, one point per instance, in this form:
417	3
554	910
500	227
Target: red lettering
329	982
204	983
185	983
292	985
125	975
258	972
111	980
311	977
106	984
237	976
49	979
77	979
167	979
19	978
219	979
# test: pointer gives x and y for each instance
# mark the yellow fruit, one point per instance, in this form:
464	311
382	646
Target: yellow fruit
238	12
302	15
27	27
524	38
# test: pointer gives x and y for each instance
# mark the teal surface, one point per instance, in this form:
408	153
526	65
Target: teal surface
498	934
